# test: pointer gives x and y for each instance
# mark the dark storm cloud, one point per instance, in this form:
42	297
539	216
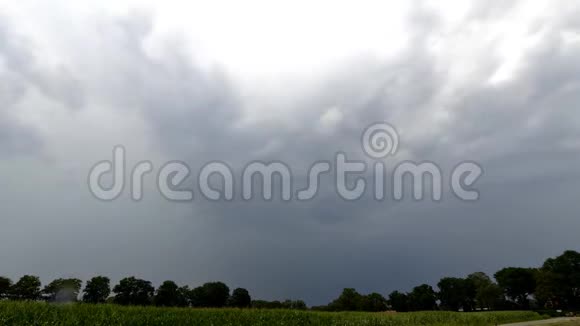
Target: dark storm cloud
524	131
387	246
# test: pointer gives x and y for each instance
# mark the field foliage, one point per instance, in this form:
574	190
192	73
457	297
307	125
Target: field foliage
37	313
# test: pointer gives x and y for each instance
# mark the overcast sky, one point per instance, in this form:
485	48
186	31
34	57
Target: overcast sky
489	81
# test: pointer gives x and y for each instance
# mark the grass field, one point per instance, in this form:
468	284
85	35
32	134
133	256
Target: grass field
34	313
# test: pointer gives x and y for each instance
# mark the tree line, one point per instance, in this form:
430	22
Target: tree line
554	285
129	291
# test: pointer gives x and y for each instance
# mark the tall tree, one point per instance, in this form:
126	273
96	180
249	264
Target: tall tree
488	295
133	291
197	297
62	290
212	294
452	293
184	293
456	293
217	294
5	285
240	298
518	283
349	300
373	302
27	288
97	290
559	281
549	293
423	297
170	295
399	301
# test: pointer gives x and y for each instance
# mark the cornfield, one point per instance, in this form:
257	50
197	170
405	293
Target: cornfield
37	313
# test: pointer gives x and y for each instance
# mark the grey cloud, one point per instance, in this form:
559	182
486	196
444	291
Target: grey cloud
523	131
15	137
21	74
21	59
16	140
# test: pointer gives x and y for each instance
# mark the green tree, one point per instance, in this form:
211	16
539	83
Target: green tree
27	288
349	300
558	282
456	293
240	298
196	297
517	283
5	285
183	295
62	290
217	294
373	302
212	294
170	295
97	290
423	297
549	293
487	293
133	291
399	301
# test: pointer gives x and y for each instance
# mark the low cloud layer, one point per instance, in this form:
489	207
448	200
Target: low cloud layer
496	85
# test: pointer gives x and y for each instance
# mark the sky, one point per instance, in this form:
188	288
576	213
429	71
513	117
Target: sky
497	83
